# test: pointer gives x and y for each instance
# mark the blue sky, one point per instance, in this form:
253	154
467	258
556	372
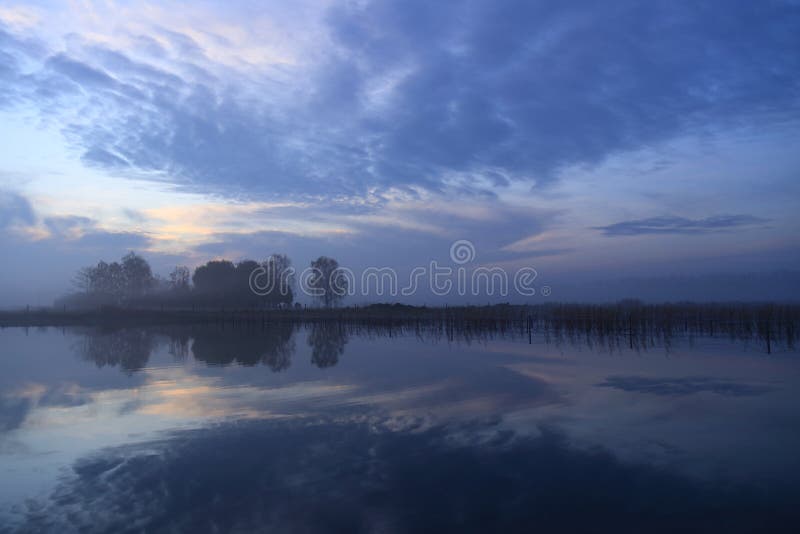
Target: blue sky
593	141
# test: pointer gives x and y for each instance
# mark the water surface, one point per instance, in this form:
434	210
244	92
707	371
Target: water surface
322	428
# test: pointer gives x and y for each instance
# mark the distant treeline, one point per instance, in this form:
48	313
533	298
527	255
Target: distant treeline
130	283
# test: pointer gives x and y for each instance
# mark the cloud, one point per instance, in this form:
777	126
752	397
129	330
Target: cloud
69	226
103	158
47	251
464	95
532	87
680	225
17	86
20	16
82	74
394	129
14	209
259	245
85	235
100	241
417	231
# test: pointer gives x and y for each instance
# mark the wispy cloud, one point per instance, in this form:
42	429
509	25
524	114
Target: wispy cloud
474	94
680	225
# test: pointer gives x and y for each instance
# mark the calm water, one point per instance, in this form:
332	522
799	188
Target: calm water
317	429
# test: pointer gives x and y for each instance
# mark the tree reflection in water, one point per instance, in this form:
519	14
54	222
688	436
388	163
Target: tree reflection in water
129	348
327	341
272	347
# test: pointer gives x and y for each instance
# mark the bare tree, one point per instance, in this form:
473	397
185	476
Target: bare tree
328	280
278	268
179	278
112	283
82	281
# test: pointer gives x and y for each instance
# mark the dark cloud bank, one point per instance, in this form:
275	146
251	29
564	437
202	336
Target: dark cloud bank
477	93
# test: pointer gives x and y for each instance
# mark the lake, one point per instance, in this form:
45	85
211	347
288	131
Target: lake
325	428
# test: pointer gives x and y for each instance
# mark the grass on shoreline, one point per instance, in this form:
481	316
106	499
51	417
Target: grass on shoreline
627	322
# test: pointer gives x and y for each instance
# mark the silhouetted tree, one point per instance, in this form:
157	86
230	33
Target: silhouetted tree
107	281
82	281
215	277
278	280
113	283
136	275
179	279
328	280
225	282
241	291
218	282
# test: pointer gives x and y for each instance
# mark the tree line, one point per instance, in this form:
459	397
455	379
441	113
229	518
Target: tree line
270	283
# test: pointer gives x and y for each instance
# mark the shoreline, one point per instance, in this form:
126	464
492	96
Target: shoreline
630	322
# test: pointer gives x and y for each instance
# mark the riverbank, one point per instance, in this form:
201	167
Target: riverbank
629	322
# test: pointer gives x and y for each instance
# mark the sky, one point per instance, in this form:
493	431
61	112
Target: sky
615	147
